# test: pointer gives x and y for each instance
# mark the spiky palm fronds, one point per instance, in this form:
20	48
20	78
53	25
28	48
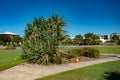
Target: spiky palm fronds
42	39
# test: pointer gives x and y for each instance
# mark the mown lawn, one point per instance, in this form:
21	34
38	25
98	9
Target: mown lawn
9	58
102	49
109	49
104	71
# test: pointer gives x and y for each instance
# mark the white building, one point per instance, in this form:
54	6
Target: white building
107	37
8	33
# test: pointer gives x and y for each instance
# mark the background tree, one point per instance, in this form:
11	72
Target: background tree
17	40
115	38
88	38
58	23
96	40
91	39
1	42
67	41
6	39
78	40
42	38
118	43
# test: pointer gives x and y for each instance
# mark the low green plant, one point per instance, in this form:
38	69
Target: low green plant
1	42
90	52
10	47
118	42
75	52
70	56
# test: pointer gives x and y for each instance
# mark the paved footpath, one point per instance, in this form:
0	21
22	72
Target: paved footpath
31	72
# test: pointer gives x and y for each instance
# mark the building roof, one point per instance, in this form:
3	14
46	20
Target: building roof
9	33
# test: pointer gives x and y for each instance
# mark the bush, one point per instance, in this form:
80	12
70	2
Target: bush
90	52
10	47
75	52
118	42
41	40
1	42
86	51
70	56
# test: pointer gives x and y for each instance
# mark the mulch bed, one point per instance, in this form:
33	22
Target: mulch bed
82	58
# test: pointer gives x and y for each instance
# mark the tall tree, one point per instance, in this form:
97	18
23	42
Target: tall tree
42	38
78	40
59	23
5	38
115	38
91	39
88	38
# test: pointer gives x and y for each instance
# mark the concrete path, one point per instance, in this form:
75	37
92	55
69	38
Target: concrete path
31	72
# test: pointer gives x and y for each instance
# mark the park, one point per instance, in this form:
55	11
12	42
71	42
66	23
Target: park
59	40
44	52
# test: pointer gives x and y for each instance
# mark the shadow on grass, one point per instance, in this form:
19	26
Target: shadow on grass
112	75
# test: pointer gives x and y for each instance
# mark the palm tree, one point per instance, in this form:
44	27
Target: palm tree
42	39
55	27
59	23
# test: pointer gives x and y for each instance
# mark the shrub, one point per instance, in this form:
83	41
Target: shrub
10	47
41	40
118	42
70	56
86	51
75	52
1	42
90	52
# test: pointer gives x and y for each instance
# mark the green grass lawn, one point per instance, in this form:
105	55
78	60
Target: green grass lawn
110	50
102	49
104	71
9	58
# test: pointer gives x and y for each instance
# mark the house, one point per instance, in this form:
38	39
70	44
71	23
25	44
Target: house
7	36
107	37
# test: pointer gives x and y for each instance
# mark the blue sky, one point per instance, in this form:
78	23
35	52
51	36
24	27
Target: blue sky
81	16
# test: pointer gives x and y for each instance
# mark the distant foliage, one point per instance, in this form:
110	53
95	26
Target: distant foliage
67	41
1	42
17	40
118	42
88	39
5	39
91	39
78	40
42	38
115	38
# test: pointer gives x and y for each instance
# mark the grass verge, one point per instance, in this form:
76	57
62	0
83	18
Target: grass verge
109	49
102	49
104	71
9	58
